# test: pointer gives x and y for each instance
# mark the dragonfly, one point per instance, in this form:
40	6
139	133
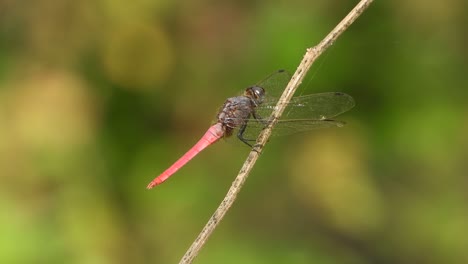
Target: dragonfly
247	114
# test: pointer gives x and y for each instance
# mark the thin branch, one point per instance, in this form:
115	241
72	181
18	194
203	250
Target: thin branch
311	55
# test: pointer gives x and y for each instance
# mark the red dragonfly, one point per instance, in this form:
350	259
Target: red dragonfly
249	113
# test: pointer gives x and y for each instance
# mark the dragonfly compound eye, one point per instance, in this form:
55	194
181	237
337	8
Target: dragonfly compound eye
257	93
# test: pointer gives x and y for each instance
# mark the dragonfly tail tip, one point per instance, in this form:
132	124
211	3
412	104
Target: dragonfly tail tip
155	182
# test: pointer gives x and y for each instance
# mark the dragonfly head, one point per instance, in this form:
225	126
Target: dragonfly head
256	94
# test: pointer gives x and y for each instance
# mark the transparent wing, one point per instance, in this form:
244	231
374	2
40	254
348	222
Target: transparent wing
303	113
290	126
319	106
286	127
314	106
274	84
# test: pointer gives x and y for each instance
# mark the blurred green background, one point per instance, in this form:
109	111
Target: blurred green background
98	97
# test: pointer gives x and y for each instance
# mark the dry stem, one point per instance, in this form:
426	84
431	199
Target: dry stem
311	55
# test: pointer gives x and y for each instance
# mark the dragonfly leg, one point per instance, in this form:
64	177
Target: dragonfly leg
256	148
259	118
240	135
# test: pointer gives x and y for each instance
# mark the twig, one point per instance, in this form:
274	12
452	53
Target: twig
311	55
